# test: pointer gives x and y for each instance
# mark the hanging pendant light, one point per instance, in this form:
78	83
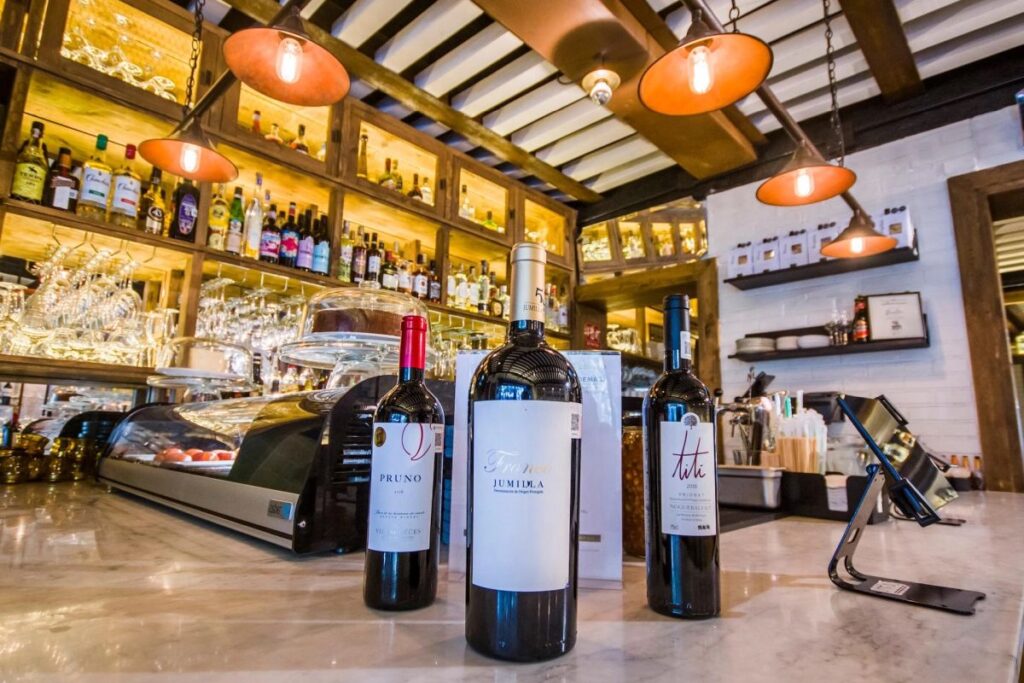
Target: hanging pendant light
188	152
858	239
707	71
284	63
806	178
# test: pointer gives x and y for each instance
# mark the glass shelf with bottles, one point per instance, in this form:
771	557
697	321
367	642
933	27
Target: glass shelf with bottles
632	241
399	168
547	226
476	281
142	44
99	298
483	204
268	125
595	245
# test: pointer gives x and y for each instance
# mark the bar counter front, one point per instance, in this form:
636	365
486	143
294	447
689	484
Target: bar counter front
102	586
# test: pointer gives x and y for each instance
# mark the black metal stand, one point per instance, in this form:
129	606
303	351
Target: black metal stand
938	597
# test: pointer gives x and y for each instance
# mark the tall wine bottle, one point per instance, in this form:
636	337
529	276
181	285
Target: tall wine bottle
681	480
405	485
525	407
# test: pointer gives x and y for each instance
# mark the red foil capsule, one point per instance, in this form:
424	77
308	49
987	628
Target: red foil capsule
413	351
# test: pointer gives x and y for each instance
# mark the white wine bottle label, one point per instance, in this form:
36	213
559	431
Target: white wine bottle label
126	196
95	187
689	498
402	485
522	494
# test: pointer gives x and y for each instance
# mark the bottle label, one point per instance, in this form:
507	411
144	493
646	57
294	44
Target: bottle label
126	196
188	212
305	257
435	290
522	493
346	253
219	216
373	265
233	241
63	196
253	236
155	220
402	485
474	294
420	285
685	349
404	281
689	495
270	244
95	186
290	244
322	257
389	281
215	240
29	181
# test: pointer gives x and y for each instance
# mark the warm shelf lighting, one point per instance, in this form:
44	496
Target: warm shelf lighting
189	154
284	63
858	239
805	179
707	71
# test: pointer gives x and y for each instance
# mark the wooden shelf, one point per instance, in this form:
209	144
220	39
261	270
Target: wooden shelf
824	269
848	349
50	370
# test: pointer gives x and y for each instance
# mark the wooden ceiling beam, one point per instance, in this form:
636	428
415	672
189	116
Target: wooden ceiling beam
578	36
876	25
380	78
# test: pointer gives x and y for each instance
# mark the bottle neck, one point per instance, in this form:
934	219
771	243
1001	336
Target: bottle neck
527	303
678	354
412	355
407	375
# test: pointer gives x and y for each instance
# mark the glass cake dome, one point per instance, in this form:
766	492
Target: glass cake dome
202	367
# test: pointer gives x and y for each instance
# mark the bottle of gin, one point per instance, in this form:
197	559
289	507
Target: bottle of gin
127	190
345	253
96	177
466	209
254	221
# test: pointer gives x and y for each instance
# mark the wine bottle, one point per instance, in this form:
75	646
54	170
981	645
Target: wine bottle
681	480
404	530
524	464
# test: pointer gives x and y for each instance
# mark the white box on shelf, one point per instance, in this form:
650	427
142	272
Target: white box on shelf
896	223
766	255
825	233
741	260
794	249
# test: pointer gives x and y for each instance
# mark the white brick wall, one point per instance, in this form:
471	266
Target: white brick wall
932	387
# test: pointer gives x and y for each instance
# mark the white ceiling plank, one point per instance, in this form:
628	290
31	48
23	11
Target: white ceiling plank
467	60
426	32
214	11
503	84
576	145
360	89
310	9
767	22
364	18
576	116
535	104
393	107
639	168
609	157
430	126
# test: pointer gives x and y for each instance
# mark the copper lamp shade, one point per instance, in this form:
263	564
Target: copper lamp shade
283	63
807	178
707	71
189	154
858	239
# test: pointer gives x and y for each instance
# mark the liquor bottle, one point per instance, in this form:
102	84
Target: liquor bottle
433	285
61	190
345	253
373	258
186	211
396	175
96	174
275	134
506	303
681	484
387	179
525	405
289	249
472	290
307	242
563	311
426	192
861	327
321	155
236	220
490	224
497	306
31	168
388	272
466	209
421	279
359	253
299	144
254	221
461	288
484	285
256	122
270	238
415	192
452	288
550	308
404	277
322	248
217	229
404	530
361	158
127	191
152	207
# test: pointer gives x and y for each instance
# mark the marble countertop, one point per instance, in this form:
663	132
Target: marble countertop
104	587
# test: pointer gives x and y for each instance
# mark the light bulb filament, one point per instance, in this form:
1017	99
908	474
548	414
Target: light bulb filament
289	60
190	157
804	184
699	65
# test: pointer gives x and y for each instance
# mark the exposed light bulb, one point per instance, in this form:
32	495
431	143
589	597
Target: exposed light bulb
289	60
190	157
857	245
804	183
699	66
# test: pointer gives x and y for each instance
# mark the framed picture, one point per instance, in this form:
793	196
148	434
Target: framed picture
896	316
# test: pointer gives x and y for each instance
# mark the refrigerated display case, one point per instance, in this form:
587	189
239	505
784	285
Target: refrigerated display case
292	470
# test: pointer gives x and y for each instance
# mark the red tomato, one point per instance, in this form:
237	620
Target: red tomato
176	455
205	456
194	452
225	455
